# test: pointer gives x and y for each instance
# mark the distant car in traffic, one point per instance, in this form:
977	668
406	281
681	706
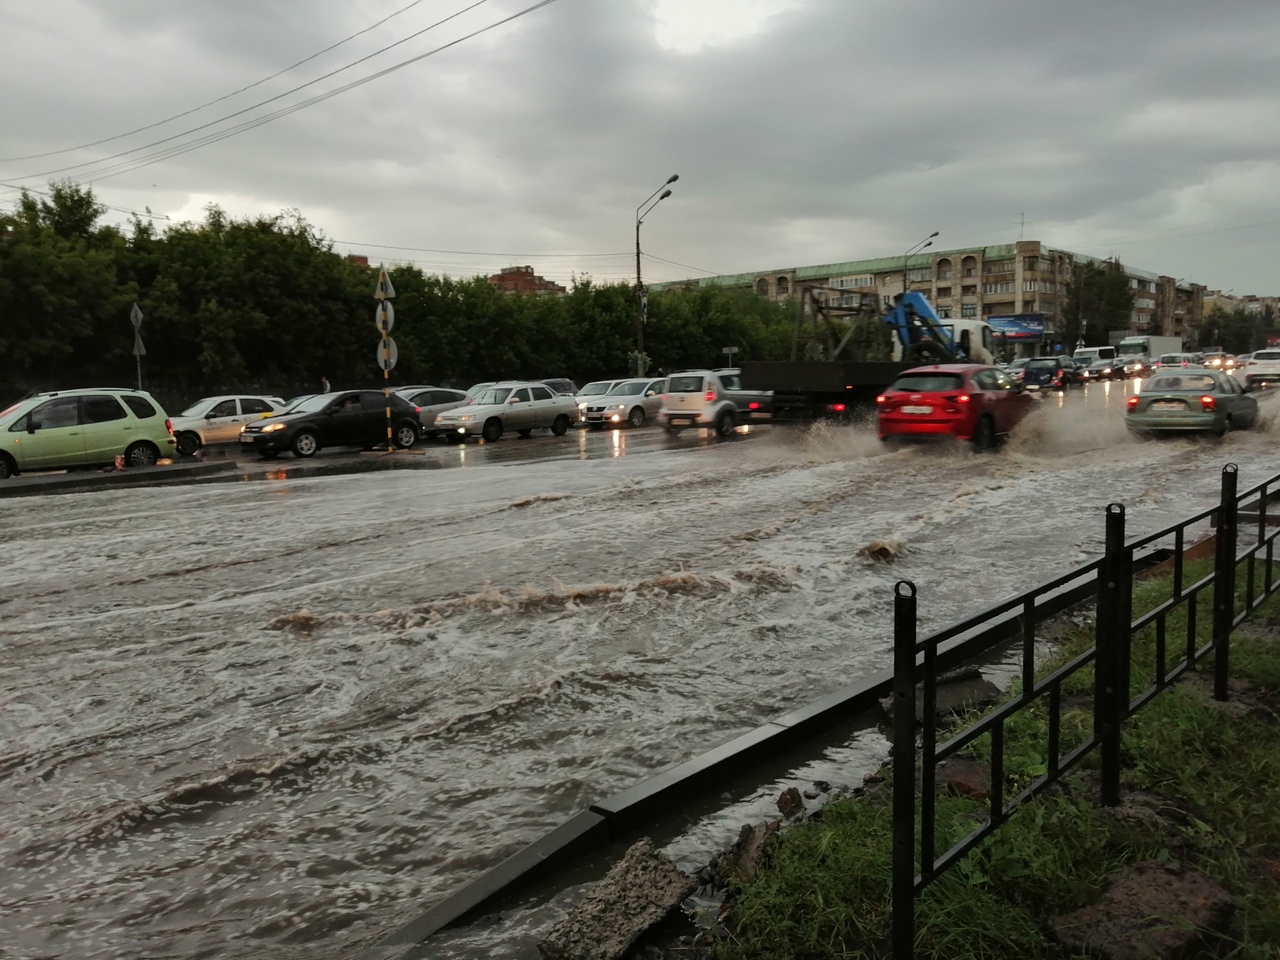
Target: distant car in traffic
219	419
82	428
431	402
1102	370
1168	360
1191	400
1261	369
712	399
349	418
633	402
971	402
590	393
566	388
1046	373
519	406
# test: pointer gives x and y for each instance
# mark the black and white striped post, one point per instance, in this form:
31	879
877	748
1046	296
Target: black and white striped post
384	317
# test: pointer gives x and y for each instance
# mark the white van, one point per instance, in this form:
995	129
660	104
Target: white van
1086	355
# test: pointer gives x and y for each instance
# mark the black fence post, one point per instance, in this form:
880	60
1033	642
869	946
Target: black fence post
1110	688
1224	581
903	931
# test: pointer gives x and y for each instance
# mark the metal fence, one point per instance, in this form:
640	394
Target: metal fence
1115	693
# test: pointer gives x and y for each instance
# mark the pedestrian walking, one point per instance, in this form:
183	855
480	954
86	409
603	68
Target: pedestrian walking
324	384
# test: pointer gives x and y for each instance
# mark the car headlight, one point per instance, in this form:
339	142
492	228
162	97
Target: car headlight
582	407
464	419
273	427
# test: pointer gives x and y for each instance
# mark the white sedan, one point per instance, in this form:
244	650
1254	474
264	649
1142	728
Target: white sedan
219	420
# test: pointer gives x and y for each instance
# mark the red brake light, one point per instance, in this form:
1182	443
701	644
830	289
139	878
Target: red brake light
711	396
1132	401
963	398
753	405
417	409
1208	403
839	407
882	399
168	425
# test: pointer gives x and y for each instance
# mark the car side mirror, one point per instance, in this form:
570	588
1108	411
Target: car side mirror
33	426
514	400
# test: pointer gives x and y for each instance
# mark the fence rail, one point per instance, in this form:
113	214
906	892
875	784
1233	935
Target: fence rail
916	862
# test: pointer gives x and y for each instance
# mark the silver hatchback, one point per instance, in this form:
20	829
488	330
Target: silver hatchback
519	406
633	402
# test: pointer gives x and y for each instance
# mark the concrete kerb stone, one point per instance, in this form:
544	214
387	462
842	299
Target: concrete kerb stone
41	485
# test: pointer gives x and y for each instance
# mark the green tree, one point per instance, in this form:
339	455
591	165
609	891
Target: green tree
1098	300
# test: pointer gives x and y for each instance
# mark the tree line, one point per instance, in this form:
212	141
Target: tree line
266	304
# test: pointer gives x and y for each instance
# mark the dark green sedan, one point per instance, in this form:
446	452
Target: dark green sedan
1191	400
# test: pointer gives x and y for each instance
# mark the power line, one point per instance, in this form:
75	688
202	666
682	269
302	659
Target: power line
482	253
178	150
210	103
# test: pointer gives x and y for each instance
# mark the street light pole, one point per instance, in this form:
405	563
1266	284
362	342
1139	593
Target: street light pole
642	297
911	251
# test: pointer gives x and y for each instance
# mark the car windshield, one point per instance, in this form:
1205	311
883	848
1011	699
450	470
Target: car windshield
1199	382
198	409
628	388
1017	364
685	385
595	388
493	395
928	382
1042	363
1266	355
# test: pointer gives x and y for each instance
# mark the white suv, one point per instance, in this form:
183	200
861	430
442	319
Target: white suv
711	398
1260	369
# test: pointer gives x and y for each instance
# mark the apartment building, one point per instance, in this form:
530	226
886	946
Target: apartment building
1016	287
524	280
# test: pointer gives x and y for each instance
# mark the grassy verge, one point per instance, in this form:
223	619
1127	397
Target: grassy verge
1212	773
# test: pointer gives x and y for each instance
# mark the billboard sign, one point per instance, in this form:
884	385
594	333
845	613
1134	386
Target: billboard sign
1019	326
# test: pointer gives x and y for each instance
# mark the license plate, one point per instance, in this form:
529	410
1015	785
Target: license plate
1168	405
245	439
917	409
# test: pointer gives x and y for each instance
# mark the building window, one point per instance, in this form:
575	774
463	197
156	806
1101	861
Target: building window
1030	285
944	313
944	269
1031	264
969	266
1004	286
944	293
969	290
762	287
844	283
997	266
968	309
784	286
916	276
1145	302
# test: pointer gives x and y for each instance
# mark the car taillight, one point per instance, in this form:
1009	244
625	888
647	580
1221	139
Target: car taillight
710	397
753	405
1208	403
1133	402
417	409
963	398
168	425
840	408
882	399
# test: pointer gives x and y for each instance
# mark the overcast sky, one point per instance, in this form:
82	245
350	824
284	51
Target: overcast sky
803	131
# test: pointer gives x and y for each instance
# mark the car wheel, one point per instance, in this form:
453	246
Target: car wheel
188	443
1224	428
637	417
305	444
141	454
984	436
492	431
526	433
560	426
7	466
406	435
725	424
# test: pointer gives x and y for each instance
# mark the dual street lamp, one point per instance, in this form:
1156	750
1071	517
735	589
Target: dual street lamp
912	251
642	295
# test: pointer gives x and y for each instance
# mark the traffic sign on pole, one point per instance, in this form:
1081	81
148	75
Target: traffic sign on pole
384	316
387	354
384	290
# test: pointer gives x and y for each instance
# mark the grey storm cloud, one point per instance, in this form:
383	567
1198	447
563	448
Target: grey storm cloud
838	129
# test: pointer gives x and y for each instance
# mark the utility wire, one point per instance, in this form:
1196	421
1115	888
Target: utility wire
179	149
217	100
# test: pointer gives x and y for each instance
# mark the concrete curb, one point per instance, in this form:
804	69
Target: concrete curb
133	477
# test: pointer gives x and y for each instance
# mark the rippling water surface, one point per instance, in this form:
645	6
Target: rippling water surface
278	719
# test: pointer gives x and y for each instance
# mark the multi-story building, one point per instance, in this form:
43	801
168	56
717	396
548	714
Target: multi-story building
1017	286
523	280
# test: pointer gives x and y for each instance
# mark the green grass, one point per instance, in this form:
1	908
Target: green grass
823	892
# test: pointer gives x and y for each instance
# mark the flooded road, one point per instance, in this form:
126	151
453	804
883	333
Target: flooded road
278	719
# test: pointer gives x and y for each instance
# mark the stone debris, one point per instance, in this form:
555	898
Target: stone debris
637	892
965	777
1152	911
952	698
744	857
790	803
882	551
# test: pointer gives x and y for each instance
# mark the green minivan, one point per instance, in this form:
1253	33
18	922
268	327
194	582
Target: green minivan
81	428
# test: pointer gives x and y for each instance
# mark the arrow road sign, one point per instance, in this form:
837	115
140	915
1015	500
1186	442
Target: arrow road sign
136	316
387	354
384	316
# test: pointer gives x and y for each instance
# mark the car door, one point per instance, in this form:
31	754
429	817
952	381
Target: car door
652	401
1242	407
518	413
222	422
991	398
251	408
544	406
346	421
106	426
53	436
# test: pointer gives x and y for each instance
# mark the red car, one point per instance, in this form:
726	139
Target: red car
969	401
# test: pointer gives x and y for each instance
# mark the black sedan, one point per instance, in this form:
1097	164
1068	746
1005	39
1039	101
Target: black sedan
353	418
